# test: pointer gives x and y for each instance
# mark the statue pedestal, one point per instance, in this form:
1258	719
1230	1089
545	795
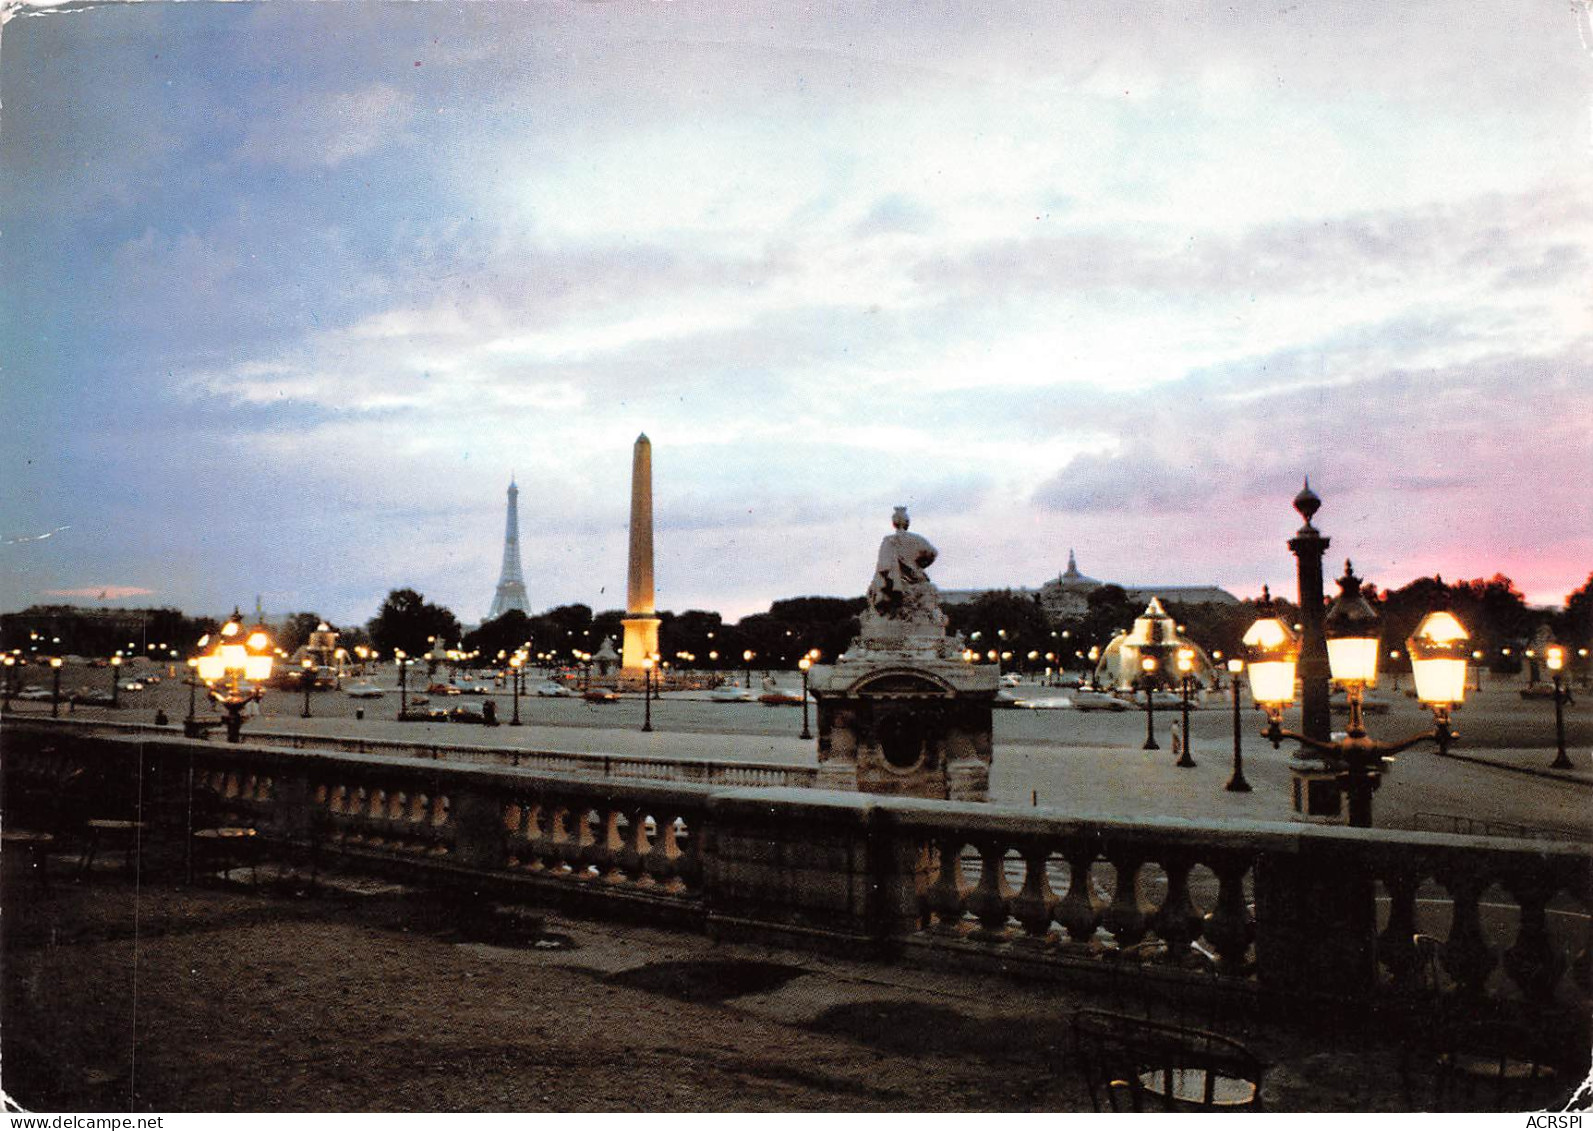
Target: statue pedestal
905	721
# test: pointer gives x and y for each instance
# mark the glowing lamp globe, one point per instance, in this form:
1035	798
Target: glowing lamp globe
1273	651
1438	651
1351	627
1554	657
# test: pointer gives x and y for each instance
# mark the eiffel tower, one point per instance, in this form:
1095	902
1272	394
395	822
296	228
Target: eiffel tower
511	584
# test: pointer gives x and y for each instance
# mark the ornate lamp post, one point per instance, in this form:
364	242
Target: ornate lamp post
402	660
116	681
193	688
1308	545
306	681
1357	762
516	665
805	663
1148	667
1186	679
647	693
55	688
746	658
237	656
1237	783
10	663
1555	658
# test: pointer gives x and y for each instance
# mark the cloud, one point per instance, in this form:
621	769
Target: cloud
310	130
102	592
1128	483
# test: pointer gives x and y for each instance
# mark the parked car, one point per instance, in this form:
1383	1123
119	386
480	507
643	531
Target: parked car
35	694
1085	700
363	691
551	690
731	693
474	689
599	695
442	689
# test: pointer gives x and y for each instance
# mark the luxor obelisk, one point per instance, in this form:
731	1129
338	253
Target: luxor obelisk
641	626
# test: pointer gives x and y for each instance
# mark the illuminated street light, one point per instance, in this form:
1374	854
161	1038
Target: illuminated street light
647	693
1555	658
1186	680
236	657
55	690
805	663
116	681
516	666
307	681
1236	783
1438	651
1148	667
1351	628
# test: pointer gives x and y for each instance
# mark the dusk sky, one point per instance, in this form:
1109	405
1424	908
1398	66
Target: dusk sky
291	289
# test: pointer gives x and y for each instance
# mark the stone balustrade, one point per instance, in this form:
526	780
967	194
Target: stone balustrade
1268	911
705	771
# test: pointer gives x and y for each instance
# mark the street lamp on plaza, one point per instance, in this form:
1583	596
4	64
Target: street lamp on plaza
1356	761
1186	679
746	658
237	656
1148	667
10	663
804	664
1555	658
193	688
647	693
1236	783
516	666
401	658
307	681
116	681
55	689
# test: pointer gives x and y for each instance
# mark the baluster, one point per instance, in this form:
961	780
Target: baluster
536	838
1467	955
689	843
1080	910
1230	926
1126	917
633	846
1533	965
1177	921
1035	904
945	894
663	857
561	845
1396	946
441	816
611	845
988	900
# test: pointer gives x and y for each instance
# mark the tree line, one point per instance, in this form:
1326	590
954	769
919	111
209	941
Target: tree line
1013	625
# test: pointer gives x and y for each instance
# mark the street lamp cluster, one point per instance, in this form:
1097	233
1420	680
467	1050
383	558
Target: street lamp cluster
1438	653
237	656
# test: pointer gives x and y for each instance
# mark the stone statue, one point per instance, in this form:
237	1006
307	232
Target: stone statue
901	589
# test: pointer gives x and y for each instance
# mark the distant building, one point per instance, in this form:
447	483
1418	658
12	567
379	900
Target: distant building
1067	596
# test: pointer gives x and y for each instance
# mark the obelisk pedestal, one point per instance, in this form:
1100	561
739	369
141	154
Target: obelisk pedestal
641	626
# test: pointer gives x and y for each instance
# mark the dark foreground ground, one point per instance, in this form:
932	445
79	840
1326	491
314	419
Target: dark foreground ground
156	996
